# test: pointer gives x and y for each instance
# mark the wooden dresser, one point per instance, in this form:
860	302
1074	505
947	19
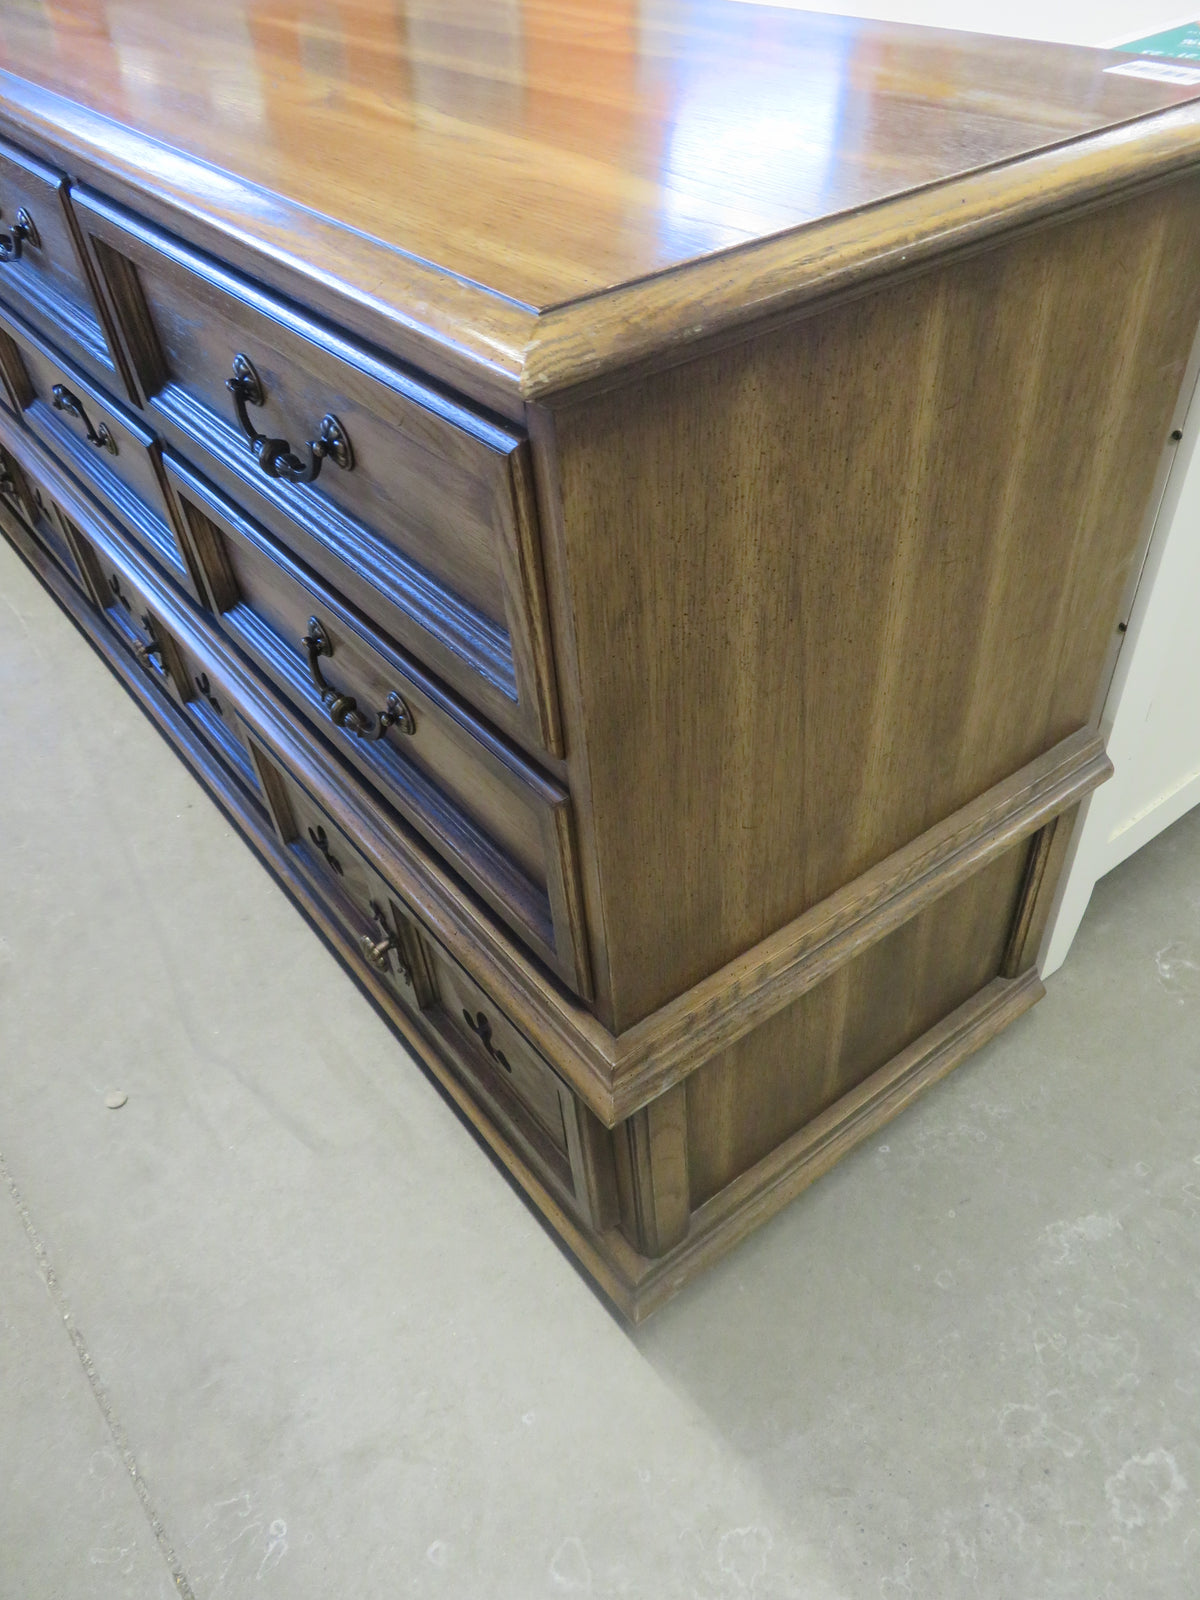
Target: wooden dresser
627	506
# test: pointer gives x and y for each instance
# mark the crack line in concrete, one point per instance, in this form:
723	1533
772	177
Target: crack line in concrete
99	1392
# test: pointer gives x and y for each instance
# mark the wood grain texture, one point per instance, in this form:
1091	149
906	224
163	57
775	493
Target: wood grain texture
857	571
753	417
430	522
787	1171
492	814
614	1075
762	1090
726	1006
542	154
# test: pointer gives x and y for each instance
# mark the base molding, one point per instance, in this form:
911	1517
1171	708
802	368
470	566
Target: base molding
766	1188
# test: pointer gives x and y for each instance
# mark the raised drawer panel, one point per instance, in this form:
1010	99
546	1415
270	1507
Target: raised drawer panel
521	1093
500	1052
355	894
502	825
126	608
41	515
414	505
141	628
41	269
205	701
109	449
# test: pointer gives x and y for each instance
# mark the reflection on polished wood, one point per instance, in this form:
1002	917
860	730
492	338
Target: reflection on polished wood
541	149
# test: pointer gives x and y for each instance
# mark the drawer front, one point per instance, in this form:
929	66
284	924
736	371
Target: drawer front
127	610
505	1074
356	896
204	700
502	825
103	444
41	515
41	269
145	634
504	1057
412	504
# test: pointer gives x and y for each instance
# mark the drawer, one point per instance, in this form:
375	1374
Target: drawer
41	266
519	1090
356	896
109	449
127	610
503	1057
414	505
503	826
41	515
205	702
181	676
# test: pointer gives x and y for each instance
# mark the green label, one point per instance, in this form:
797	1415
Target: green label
1183	43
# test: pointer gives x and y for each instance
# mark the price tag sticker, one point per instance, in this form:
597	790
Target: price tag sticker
1160	71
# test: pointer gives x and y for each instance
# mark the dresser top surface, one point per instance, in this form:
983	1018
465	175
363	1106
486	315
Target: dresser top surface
545	151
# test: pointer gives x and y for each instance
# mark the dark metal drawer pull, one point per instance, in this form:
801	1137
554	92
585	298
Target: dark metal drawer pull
65	400
321	840
23	232
275	456
482	1029
343	708
145	653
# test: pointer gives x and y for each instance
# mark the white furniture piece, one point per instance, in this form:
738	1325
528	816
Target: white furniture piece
1152	712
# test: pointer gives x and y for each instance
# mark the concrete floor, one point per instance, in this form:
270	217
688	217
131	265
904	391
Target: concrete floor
278	1327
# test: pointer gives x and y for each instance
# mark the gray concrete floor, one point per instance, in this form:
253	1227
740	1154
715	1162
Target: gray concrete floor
278	1327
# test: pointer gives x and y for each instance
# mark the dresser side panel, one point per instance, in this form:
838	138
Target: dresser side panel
822	588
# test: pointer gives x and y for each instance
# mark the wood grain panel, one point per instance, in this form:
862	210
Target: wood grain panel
763	1089
856	571
761	1191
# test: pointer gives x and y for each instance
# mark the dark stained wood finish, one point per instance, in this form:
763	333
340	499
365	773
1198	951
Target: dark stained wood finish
500	823
125	471
855	574
431	523
46	277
